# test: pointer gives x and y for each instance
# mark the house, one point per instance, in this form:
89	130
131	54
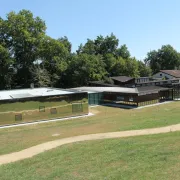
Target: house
167	74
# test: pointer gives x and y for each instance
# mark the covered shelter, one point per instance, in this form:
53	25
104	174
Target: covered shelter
127	96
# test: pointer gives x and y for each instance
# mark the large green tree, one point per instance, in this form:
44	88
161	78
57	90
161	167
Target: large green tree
6	68
40	76
123	52
64	40
165	58
84	68
21	33
54	55
101	45
144	70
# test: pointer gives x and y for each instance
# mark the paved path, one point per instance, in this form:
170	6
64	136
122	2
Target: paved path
32	151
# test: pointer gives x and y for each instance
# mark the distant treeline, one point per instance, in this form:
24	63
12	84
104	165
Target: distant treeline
28	55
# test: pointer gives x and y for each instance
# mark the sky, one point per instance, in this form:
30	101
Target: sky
142	25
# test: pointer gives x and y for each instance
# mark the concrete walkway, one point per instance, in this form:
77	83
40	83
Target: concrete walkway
32	151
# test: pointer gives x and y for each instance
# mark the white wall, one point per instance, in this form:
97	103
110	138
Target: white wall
162	75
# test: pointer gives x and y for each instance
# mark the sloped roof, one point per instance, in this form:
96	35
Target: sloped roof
36	92
174	73
150	89
107	89
122	78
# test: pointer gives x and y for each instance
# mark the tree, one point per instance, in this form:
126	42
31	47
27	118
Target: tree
144	70
84	68
101	45
118	68
64	40
55	56
165	58
106	45
6	69
40	76
131	67
88	48
109	61
125	67
22	33
123	52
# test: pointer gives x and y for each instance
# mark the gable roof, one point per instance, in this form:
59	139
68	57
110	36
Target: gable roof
122	78
174	73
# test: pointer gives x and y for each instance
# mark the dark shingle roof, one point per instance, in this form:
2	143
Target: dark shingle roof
102	83
122	78
150	89
175	73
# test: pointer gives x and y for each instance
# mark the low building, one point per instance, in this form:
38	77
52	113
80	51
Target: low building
27	105
127	96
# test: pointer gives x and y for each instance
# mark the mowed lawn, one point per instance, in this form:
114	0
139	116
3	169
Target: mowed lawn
106	119
154	157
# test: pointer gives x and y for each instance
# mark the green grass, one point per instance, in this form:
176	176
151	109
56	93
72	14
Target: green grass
144	158
106	120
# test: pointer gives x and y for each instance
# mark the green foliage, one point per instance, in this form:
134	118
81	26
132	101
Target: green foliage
40	77
165	58
144	70
23	41
83	68
21	34
6	71
123	52
54	55
108	80
125	67
66	43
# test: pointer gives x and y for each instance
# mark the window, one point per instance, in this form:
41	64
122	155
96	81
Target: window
160	74
41	108
120	98
53	111
18	117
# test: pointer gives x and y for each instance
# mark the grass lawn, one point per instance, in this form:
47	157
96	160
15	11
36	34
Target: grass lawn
107	119
142	158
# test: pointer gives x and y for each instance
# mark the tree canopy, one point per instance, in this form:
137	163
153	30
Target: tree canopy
164	58
28	55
